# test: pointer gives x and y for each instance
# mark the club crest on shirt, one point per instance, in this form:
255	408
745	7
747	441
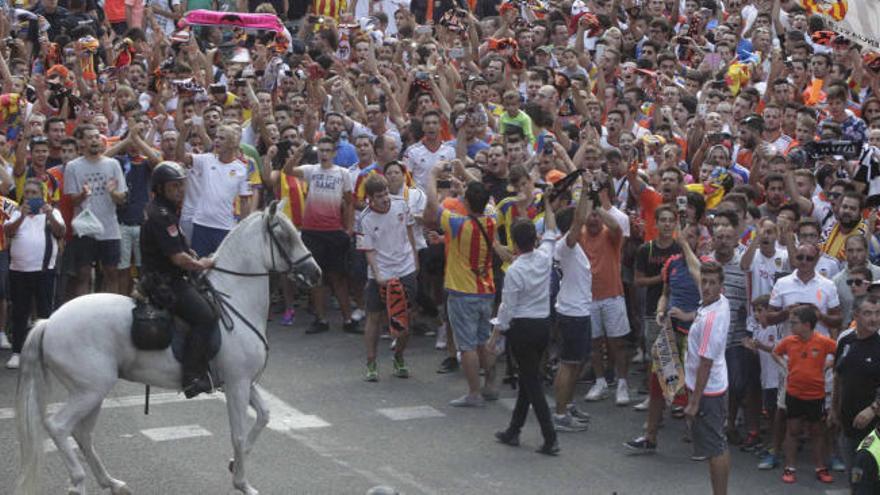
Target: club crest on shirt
232	173
172	230
400	217
778	263
814	352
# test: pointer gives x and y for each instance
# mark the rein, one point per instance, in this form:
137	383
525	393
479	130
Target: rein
221	299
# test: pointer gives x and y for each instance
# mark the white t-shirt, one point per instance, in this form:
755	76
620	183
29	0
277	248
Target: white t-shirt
770	335
622	219
166	24
386	234
708	339
576	284
818	291
420	160
27	247
327	187
220	184
764	270
416	200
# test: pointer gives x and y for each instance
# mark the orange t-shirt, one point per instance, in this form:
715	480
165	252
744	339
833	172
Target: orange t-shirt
649	200
806	364
604	251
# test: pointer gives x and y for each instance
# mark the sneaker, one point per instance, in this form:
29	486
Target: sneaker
440	340
318	326
752	442
769	461
639	358
372	374
823	475
489	394
448	365
643	405
508	438
599	391
578	414
358	314
837	464
352	326
622	393
565	422
640	446
788	475
287	317
699	458
4	341
399	367
677	412
13	363
468	401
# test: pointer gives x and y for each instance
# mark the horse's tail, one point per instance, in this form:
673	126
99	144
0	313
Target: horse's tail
30	409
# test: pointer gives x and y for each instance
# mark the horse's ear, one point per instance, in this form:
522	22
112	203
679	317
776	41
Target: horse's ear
272	207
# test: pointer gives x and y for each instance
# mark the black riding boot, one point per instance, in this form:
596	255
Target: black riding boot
195	365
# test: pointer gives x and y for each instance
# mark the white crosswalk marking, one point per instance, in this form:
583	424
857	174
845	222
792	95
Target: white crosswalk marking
413	412
124	401
283	417
175	432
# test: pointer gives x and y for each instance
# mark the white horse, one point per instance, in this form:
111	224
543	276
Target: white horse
87	344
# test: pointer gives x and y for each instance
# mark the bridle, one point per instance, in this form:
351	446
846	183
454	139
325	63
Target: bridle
274	244
222	299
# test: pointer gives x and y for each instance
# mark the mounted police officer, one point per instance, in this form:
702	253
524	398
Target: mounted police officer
167	263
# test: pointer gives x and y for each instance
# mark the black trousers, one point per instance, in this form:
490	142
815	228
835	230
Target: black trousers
192	306
29	289
527	339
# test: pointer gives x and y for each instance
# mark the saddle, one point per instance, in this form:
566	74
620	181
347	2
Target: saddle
155	328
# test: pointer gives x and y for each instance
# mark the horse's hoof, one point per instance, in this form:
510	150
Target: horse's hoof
120	489
74	491
246	488
231	465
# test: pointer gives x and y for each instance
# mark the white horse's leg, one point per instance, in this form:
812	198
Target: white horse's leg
83	435
262	418
60	426
237	398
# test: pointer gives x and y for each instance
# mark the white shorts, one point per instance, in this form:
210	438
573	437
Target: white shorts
609	318
129	246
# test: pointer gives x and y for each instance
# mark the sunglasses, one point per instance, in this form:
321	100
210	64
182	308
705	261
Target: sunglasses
804	257
858	282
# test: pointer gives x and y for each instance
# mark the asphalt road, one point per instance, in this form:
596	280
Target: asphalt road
332	433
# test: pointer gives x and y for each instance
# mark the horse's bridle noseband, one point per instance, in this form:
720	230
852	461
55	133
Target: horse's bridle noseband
273	245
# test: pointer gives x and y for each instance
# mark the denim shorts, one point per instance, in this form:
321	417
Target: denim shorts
469	316
129	246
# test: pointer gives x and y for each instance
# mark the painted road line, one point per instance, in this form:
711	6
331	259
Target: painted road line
283	417
125	401
407	413
175	433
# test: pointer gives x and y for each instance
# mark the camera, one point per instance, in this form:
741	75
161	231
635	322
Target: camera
681	202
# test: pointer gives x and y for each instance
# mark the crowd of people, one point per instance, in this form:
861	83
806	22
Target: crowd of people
567	190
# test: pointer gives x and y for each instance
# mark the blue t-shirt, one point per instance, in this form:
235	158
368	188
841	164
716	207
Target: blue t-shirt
346	155
137	177
683	291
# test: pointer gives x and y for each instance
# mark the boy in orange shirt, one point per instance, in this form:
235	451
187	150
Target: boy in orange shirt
807	354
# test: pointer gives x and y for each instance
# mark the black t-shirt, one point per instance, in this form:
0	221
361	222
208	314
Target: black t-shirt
497	187
650	259
857	363
162	238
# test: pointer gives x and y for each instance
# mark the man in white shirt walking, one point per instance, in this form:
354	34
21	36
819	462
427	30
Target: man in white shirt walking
524	317
385	235
572	313
705	369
